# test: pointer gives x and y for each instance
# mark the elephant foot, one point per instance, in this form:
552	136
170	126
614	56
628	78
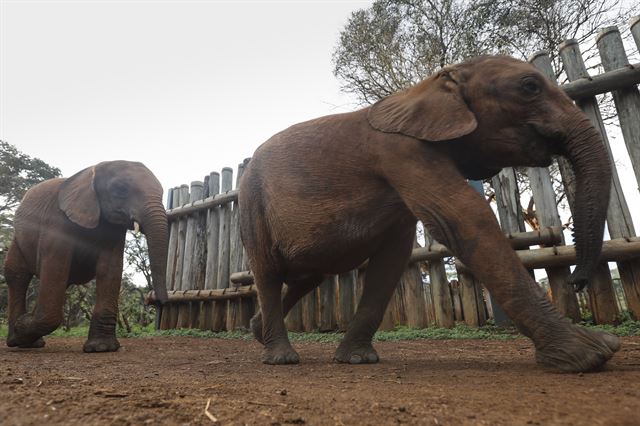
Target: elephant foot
256	327
581	351
25	342
104	344
350	353
280	354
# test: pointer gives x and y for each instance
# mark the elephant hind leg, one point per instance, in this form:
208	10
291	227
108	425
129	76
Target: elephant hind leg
277	348
18	278
383	273
296	289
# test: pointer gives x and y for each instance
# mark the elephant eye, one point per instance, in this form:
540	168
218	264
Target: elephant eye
119	190
530	86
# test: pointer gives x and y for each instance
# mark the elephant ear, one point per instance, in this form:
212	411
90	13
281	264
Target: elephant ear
433	110
78	199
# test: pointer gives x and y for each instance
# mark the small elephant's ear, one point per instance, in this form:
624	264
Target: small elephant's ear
78	200
433	110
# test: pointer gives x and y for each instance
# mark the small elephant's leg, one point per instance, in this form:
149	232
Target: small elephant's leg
18	278
102	330
295	290
383	273
277	348
48	312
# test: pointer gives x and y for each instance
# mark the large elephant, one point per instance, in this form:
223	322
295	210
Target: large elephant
325	195
69	231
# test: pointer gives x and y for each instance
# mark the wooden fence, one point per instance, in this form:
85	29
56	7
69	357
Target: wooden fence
211	288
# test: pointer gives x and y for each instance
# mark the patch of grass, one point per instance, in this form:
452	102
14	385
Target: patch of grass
628	327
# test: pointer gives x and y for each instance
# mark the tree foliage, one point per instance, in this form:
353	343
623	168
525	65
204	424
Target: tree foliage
19	172
396	43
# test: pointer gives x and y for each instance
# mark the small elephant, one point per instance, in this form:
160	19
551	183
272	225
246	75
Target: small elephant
323	196
69	231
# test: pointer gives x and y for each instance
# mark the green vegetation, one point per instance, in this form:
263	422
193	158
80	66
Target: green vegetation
489	332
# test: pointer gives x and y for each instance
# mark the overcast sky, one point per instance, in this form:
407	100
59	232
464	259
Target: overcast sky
187	87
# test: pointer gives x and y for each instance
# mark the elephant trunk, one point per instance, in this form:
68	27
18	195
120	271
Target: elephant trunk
154	225
588	156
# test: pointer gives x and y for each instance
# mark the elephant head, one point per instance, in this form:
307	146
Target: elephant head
121	193
492	112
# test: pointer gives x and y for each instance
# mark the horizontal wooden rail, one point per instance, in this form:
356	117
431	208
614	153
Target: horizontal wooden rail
613	250
184	296
200	205
603	83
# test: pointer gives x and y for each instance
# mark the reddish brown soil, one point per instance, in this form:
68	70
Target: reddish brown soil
169	381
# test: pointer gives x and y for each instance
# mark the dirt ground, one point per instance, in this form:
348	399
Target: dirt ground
169	381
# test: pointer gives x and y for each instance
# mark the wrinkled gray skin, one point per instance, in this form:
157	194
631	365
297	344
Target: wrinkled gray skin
325	195
69	231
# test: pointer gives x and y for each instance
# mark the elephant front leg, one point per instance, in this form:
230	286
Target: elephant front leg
382	276
459	217
102	331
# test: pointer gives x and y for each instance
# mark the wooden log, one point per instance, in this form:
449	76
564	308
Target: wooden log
183	198
224	242
171	258
189	262
223	294
472	298
213	235
457	301
544	198
235	259
327	304
634	27
508	201
413	297
602	297
293	320
618	216
627	99
212	201
309	310
627	102
442	304
346	296
588	87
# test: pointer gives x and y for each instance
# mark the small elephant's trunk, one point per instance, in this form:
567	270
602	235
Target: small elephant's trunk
155	227
592	166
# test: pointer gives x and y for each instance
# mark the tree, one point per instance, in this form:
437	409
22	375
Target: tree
396	43
19	172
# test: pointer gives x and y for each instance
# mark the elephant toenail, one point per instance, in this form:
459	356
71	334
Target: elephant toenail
355	359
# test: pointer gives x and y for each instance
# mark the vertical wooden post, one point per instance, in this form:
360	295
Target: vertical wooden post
327	304
346	295
224	242
309	310
183	197
294	320
442	303
213	235
189	264
457	300
544	198
601	289
172	199
413	297
627	103
234	319
634	27
472	299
